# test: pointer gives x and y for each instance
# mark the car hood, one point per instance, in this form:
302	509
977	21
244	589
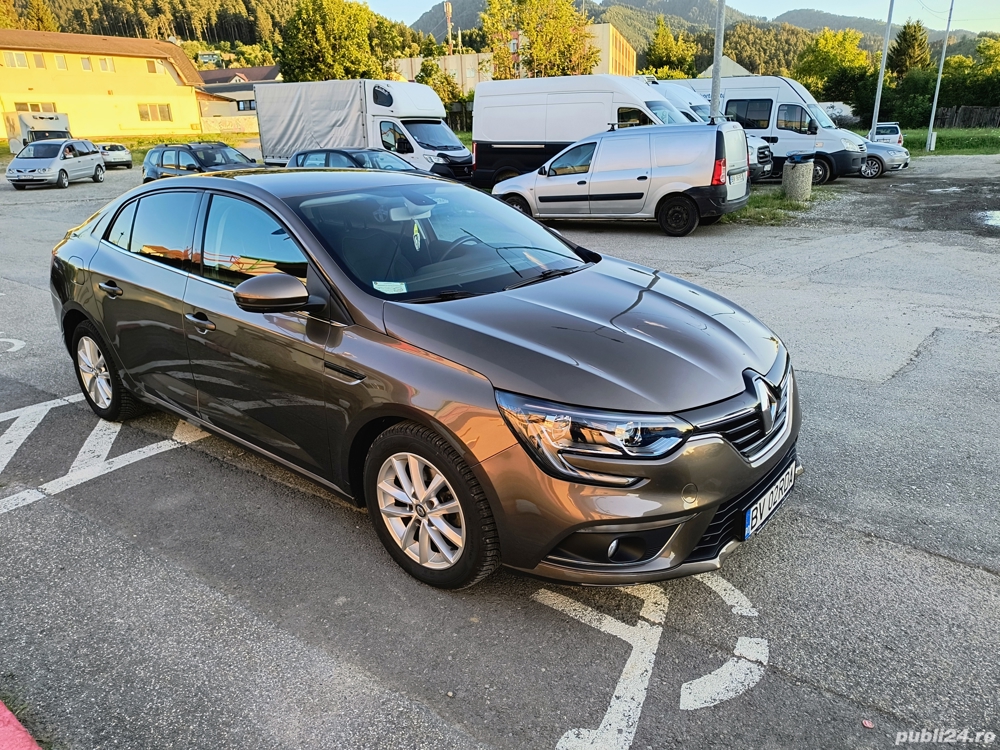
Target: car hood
613	336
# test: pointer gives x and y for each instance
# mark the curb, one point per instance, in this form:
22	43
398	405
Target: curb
12	735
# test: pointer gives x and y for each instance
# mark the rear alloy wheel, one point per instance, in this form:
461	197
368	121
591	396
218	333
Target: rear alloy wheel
428	509
678	216
98	378
821	172
98	173
519	203
872	168
62	181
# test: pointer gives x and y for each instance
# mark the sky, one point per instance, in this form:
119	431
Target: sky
975	15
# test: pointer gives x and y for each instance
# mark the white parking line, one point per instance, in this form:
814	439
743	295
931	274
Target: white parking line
728	593
736	676
617	730
92	460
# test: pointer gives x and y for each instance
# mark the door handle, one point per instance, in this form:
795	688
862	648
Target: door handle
642	177
582	182
201	322
111	289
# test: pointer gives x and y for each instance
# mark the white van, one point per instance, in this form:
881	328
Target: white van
27	127
785	114
681	176
405	118
519	125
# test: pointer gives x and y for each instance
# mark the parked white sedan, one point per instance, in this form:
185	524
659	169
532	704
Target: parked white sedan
115	155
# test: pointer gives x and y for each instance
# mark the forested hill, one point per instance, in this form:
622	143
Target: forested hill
814	20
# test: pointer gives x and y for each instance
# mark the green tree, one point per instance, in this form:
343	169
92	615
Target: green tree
670	53
909	50
500	18
764	49
383	37
38	16
443	83
558	43
8	15
327	39
988	51
828	53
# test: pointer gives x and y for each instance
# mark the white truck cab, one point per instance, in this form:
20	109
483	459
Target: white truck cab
785	114
405	118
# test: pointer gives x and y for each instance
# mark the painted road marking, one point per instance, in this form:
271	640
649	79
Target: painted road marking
618	727
15	345
729	594
736	676
91	462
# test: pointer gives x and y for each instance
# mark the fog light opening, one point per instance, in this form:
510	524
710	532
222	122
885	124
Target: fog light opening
627	549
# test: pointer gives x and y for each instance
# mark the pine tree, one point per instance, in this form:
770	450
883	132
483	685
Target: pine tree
8	15
666	52
39	17
910	49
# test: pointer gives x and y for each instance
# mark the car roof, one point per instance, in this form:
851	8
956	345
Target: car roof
287	183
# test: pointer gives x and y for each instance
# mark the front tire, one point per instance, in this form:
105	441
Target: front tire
872	168
678	216
519	203
98	377
62	181
98	173
821	172
428	509
19	187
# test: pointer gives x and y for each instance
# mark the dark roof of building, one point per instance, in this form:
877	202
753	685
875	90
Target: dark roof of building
234	75
89	44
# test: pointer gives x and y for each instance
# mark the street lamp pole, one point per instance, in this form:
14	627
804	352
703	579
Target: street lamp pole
937	88
720	34
881	72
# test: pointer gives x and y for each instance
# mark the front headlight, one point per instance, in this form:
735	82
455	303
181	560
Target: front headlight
556	434
895	153
850	145
43	170
435	159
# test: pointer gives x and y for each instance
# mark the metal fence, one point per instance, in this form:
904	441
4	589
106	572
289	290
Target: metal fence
967	117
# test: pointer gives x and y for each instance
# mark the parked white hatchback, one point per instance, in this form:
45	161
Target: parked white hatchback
679	175
55	162
115	155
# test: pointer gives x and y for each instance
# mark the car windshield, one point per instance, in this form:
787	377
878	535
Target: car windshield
433	134
704	111
666	112
821	117
419	241
216	157
383	160
40	151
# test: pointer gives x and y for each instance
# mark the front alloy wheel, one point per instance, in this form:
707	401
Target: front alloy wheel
821	172
872	168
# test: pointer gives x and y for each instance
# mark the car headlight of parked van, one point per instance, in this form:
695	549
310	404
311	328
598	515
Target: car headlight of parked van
435	159
554	434
850	145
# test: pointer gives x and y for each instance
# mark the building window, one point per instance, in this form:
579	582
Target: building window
155	113
85	62
60	62
107	65
150	66
246	105
15	59
39	60
34	107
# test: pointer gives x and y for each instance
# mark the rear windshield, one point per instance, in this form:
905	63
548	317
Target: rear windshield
40	151
217	157
886	130
409	242
112	147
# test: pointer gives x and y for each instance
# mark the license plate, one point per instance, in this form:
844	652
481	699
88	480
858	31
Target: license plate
763	508
738	179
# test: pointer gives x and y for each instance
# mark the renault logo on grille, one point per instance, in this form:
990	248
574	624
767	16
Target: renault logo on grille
768	403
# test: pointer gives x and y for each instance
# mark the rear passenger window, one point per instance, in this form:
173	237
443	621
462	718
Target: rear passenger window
185	160
242	240
121	230
170	159
164	229
575	161
339	161
752	114
630	117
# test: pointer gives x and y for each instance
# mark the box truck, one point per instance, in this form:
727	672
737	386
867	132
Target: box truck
405	118
26	127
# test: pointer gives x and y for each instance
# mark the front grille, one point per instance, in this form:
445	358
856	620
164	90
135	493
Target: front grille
763	154
728	522
745	430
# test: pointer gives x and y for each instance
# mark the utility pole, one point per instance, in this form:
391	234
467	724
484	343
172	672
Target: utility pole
720	34
937	88
881	72
447	18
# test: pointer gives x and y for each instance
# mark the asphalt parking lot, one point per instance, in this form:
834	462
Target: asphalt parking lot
165	589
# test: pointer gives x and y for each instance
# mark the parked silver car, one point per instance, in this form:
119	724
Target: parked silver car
55	162
115	155
882	158
679	175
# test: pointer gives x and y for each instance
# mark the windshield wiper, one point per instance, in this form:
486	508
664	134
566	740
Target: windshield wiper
443	296
550	273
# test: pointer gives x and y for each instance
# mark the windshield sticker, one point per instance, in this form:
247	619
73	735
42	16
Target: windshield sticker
389	287
416	237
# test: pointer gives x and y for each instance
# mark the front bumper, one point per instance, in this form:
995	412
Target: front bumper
454	171
694	500
846	162
713	200
760	171
33	179
117	161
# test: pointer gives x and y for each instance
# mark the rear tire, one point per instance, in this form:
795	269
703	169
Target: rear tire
98	377
98	173
128	166
677	216
519	203
62	181
19	187
445	538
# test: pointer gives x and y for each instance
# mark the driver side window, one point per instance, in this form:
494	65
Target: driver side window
575	161
391	135
793	117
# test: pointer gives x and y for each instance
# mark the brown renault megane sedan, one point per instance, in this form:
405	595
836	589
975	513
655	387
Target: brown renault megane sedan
494	393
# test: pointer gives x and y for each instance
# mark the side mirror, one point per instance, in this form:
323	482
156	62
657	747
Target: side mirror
403	146
813	127
542	170
191	167
271	293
